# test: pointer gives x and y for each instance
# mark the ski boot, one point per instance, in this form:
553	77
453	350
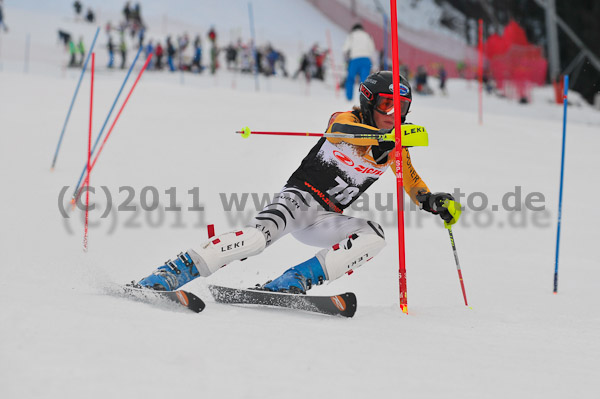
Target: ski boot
172	275
298	279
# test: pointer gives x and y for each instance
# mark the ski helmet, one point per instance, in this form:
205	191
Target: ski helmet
376	95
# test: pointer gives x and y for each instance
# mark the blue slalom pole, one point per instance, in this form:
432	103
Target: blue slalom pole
87	58
251	16
562	173
107	118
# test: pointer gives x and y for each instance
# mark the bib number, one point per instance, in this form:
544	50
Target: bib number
343	192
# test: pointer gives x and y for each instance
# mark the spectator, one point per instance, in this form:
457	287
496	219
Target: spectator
486	79
318	62
64	37
77	6
212	35
304	68
272	56
184	51
421	81
159	55
405	71
149	49
358	49
460	68
123	51
258	61
197	60
90	17
246	58
281	63
214	51
127	12
141	34
231	53
137	14
81	50
2	23
111	52
72	53
443	76
170	54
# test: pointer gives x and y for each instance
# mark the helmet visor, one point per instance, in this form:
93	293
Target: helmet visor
385	104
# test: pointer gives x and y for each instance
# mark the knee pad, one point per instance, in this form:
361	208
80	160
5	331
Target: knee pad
225	248
349	254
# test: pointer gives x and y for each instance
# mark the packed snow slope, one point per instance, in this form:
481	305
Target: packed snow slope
61	336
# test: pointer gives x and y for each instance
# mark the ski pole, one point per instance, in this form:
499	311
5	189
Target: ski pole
62	133
462	284
413	135
245	132
106	120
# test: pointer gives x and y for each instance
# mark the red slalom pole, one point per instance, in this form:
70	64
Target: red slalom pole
480	68
399	160
117	118
89	156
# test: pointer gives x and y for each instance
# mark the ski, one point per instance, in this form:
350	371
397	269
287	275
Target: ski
337	305
153	297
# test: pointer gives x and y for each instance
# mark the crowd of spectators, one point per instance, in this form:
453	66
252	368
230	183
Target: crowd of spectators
200	53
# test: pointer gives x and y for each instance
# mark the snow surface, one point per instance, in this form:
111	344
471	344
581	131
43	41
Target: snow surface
62	337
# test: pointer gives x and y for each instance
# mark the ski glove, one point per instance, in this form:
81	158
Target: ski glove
442	204
386	144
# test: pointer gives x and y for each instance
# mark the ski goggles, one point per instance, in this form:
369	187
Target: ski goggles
385	104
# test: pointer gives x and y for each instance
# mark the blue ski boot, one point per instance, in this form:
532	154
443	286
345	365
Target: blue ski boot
172	275
298	279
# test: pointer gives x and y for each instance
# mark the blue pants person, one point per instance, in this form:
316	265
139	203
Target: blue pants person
357	66
170	62
111	59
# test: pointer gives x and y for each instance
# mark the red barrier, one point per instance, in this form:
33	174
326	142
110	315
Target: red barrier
515	64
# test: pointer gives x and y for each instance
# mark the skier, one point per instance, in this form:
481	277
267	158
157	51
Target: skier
358	49
333	175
